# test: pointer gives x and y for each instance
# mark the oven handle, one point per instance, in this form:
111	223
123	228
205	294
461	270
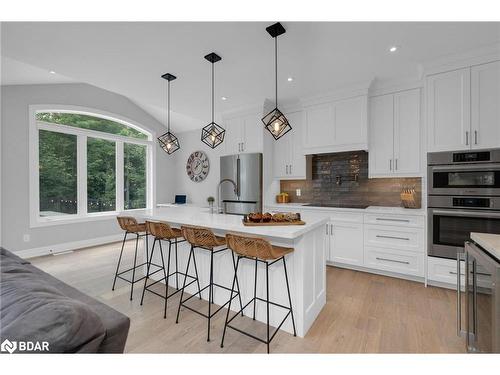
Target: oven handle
467	167
466	213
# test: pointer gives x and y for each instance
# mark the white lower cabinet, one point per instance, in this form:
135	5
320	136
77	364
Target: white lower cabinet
392	260
444	271
346	242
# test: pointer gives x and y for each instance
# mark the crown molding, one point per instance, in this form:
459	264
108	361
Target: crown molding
460	60
347	92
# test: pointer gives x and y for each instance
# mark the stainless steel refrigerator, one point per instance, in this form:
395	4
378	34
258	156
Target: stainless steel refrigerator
245	170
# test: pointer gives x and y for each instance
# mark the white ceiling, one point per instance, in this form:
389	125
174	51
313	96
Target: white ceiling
129	58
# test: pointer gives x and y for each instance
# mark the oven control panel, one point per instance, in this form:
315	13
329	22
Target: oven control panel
471	202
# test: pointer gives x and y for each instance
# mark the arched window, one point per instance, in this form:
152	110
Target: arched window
87	165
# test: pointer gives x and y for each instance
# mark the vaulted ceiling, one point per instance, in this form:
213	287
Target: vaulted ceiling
129	58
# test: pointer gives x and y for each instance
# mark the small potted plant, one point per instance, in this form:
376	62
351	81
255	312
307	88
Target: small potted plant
211	201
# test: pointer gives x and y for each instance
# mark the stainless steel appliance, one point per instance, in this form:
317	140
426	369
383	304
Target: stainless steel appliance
463	197
240	189
482	300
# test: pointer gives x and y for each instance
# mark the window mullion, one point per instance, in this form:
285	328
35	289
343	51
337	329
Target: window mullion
82	175
120	175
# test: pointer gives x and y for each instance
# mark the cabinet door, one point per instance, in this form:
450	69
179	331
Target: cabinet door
485	105
297	159
319	129
350	121
407	133
346	243
252	134
448	111
281	160
380	151
234	136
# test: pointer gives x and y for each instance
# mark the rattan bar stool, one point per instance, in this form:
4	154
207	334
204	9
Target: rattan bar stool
258	250
204	238
131	226
164	232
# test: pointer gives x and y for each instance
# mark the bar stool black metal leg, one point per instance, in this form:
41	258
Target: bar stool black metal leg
267	304
255	289
289	297
237	285
196	274
230	300
184	285
147	272
147	250
133	269
176	267
210	291
166	277
119	260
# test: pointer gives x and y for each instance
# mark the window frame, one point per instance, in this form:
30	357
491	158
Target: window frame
81	134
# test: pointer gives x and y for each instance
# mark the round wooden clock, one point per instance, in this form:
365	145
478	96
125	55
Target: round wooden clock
197	166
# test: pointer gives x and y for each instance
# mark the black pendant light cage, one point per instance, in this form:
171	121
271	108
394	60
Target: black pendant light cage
275	121
213	134
168	141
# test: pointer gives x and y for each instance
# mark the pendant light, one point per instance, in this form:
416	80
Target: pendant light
169	142
212	134
275	121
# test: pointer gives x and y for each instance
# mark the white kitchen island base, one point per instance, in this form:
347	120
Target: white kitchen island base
306	266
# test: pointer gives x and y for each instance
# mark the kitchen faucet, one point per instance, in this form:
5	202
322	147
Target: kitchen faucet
219	203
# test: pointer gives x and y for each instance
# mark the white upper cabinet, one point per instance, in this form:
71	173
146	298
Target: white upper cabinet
394	145
448	111
485	105
243	135
336	126
289	161
407	130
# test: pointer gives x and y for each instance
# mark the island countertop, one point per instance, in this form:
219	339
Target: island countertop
192	215
489	242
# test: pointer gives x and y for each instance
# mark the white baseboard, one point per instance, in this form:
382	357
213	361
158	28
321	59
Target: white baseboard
54	249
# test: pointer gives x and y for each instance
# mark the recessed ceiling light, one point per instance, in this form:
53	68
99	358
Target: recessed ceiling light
52	72
290	79
393	49
224	98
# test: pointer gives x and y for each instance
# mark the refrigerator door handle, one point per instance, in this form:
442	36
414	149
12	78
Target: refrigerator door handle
238	177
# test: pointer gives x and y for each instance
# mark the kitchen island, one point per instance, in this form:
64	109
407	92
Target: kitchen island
306	265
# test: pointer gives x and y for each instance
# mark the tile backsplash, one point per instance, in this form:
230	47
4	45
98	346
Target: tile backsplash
342	178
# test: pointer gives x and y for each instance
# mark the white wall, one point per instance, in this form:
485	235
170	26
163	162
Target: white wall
14	158
197	192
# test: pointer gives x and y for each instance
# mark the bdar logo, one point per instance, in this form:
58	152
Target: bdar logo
8	346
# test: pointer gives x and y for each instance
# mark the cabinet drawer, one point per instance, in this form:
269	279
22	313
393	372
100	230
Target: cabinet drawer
408	239
444	270
397	220
392	260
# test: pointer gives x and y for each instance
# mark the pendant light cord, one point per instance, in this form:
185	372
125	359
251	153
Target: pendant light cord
276	68
168	106
213	92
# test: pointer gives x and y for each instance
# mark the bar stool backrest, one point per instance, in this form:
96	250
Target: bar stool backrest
253	247
127	223
160	229
199	236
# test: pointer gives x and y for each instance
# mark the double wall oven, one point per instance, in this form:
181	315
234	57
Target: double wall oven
463	197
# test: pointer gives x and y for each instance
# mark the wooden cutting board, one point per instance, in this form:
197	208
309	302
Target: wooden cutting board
272	223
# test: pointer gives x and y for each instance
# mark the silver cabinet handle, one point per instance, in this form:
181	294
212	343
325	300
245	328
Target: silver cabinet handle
475	137
393	237
242	146
390	164
239	147
327	229
286	169
396	164
392	260
467	138
331	229
398	220
290	169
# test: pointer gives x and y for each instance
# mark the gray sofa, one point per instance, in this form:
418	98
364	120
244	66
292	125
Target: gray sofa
34	306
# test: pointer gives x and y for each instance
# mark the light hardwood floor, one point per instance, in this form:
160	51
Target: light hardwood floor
364	313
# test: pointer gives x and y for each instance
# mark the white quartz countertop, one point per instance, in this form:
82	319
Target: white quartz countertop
369	209
191	215
489	242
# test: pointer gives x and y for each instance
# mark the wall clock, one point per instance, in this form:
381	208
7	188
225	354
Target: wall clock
197	166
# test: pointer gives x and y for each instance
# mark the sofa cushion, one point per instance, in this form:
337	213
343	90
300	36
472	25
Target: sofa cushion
33	310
